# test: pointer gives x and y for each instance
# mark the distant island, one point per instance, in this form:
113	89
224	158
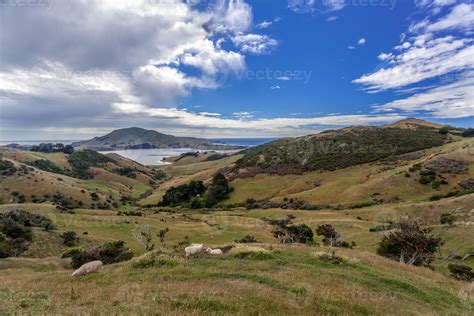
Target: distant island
140	138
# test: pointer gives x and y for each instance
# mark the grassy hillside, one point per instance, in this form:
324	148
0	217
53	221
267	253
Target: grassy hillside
135	138
106	198
338	149
81	179
289	280
385	181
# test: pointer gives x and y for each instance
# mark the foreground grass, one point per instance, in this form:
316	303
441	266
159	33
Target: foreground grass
291	280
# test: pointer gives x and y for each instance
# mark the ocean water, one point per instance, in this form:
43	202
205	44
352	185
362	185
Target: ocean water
156	156
153	157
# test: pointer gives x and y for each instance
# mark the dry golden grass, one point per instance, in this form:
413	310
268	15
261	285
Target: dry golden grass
287	280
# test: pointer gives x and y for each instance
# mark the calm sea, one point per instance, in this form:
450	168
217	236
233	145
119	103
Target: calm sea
155	156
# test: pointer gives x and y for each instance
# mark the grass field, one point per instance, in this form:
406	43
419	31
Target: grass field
289	280
280	279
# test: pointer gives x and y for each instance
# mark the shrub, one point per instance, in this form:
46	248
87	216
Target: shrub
447	219
183	193
250	203
82	160
444	130
28	219
127	172
331	237
47	165
94	196
14	230
7	168
110	252
461	272
16	246
411	244
287	233
53	148
384	227
247	240
68	253
436	197
69	238
218	190
3	247
469	132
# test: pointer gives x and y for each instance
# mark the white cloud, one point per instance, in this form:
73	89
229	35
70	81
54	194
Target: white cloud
461	17
361	42
453	100
55	75
350	47
335	5
431	50
427	59
231	16
255	43
331	18
275	87
283	78
384	56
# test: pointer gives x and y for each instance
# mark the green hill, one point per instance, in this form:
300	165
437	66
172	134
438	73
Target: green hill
137	138
337	149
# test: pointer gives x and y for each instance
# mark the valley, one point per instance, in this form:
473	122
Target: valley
108	198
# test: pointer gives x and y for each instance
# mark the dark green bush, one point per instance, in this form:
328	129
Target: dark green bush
447	219
3	247
70	238
286	232
110	252
461	272
183	194
411	244
331	237
469	132
82	160
247	239
217	191
47	165
68	253
7	168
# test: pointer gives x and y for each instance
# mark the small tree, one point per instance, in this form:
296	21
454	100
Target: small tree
444	130
411	244
143	235
447	219
69	238
218	190
162	234
286	232
331	237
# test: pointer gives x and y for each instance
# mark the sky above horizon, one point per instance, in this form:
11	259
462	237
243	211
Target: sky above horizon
231	68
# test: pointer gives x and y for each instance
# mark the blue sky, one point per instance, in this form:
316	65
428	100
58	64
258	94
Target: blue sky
232	68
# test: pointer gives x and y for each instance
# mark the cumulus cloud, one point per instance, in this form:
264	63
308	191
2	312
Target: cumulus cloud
255	43
361	42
